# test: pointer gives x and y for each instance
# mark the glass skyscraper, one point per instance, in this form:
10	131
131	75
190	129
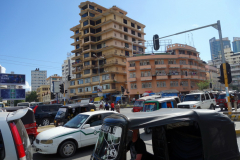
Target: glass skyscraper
236	44
215	46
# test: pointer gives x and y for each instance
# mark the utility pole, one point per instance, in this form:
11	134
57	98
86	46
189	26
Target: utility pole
64	93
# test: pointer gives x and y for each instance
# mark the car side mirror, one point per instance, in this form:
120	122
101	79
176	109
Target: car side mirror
86	126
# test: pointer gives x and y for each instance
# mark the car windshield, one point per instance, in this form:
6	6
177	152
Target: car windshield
193	97
222	96
23	104
138	104
149	107
77	121
1	106
108	143
61	112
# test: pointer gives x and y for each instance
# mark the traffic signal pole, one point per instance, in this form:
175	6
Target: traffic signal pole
217	26
224	69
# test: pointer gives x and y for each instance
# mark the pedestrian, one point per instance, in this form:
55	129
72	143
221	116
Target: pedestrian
137	147
101	105
118	107
112	106
107	106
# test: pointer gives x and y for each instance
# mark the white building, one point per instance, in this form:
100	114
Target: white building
67	68
2	69
38	78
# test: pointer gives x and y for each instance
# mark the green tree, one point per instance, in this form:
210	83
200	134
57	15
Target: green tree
32	97
203	85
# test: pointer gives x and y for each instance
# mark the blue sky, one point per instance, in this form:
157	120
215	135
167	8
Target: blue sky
35	34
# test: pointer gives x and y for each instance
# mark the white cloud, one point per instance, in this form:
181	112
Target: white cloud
3	69
195	25
27	87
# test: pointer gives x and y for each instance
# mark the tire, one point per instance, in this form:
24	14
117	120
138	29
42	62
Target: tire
212	107
45	122
147	130
198	107
67	149
31	138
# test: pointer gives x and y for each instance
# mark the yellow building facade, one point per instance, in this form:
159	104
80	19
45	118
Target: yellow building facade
42	91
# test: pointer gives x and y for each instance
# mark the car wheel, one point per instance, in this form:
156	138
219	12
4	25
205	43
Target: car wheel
147	130
45	122
212	107
67	149
198	107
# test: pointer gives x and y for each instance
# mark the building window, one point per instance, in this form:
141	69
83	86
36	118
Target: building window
98	21
133	25
174	84
184	83
95	79
87	80
146	74
126	53
134	47
132	64
171	61
140	49
133	75
87	71
126	45
125	29
72	83
91	14
120	27
124	21
72	90
85	15
105	77
139	35
99	10
125	37
144	63
86	39
114	16
98	30
147	85
80	81
91	7
133	86
182	62
115	26
159	61
133	32
80	90
161	84
85	23
77	46
139	27
121	35
86	63
86	55
106	86
134	40
99	46
88	89
77	31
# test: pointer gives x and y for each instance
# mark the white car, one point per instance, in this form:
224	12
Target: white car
14	141
80	131
199	100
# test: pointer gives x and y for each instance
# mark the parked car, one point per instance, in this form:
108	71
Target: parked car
67	112
80	131
199	100
35	103
14	141
28	120
45	114
23	104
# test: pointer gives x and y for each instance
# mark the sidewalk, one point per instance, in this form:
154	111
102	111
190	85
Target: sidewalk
237	127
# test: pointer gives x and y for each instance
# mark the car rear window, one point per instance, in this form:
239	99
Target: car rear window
2	148
211	95
45	108
207	96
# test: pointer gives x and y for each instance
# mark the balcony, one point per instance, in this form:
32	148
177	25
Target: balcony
193	57
132	68
174	65
159	77
145	67
235	69
193	67
74	64
76	35
235	74
185	77
185	66
183	56
175	76
202	78
146	78
194	77
132	79
160	66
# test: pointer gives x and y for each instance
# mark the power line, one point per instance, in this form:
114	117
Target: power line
29	63
28	58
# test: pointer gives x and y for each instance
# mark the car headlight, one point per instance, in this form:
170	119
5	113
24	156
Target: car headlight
194	106
47	141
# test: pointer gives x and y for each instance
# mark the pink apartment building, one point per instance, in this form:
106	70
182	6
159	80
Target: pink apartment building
181	69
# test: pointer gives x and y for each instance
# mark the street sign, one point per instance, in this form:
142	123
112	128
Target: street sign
56	88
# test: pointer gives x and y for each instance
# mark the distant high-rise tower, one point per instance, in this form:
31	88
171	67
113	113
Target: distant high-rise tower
236	44
38	78
215	46
2	69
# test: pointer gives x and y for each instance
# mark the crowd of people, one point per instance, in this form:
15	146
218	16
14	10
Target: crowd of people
108	105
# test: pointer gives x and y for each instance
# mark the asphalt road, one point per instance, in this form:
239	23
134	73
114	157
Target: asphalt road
85	152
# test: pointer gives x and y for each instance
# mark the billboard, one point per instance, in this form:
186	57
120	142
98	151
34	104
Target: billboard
12	94
12	79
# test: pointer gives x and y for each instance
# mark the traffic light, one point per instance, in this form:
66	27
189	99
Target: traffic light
69	78
52	96
122	89
210	85
61	88
66	91
156	42
229	75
